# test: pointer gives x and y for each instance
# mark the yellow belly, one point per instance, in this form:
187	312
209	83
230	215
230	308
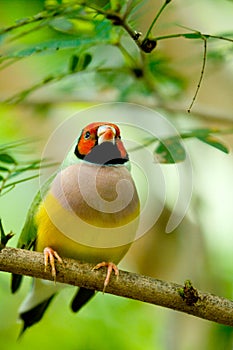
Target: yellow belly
49	236
76	230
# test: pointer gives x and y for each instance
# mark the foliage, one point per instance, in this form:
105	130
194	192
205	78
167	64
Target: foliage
171	150
80	27
12	170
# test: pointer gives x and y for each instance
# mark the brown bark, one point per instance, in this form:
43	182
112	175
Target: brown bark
130	285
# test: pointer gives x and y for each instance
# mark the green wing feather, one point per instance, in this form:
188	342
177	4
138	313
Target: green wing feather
28	235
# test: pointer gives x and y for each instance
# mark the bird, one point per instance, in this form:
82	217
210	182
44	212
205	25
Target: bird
88	210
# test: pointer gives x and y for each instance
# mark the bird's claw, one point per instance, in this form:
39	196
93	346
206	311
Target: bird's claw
110	267
49	259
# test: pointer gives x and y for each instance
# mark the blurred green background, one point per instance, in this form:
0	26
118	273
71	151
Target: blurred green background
200	249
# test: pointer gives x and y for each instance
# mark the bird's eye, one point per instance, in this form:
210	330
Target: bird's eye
87	135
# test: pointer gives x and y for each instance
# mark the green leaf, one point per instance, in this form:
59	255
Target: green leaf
73	63
115	5
6	146
55	45
72	26
214	142
86	60
20	181
199	132
2	168
170	151
6	158
79	63
63	25
193	35
1	177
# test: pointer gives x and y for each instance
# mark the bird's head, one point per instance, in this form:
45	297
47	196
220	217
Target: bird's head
101	143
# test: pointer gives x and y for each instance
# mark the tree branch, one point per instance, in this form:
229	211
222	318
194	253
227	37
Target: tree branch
181	298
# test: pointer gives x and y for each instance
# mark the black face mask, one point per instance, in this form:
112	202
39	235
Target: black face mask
106	153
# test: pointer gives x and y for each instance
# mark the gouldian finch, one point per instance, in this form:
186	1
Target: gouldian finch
89	211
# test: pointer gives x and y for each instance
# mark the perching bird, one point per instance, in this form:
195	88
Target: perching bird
88	211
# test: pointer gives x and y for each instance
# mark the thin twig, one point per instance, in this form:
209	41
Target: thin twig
129	285
201	75
33	19
191	35
156	17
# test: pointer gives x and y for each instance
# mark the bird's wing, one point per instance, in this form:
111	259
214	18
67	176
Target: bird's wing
29	232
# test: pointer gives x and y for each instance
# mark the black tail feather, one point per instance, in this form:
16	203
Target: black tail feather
15	282
82	296
34	315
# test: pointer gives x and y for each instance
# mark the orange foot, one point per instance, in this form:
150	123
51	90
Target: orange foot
49	255
111	267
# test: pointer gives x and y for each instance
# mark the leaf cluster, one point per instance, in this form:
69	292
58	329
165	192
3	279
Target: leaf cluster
130	63
13	170
171	150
